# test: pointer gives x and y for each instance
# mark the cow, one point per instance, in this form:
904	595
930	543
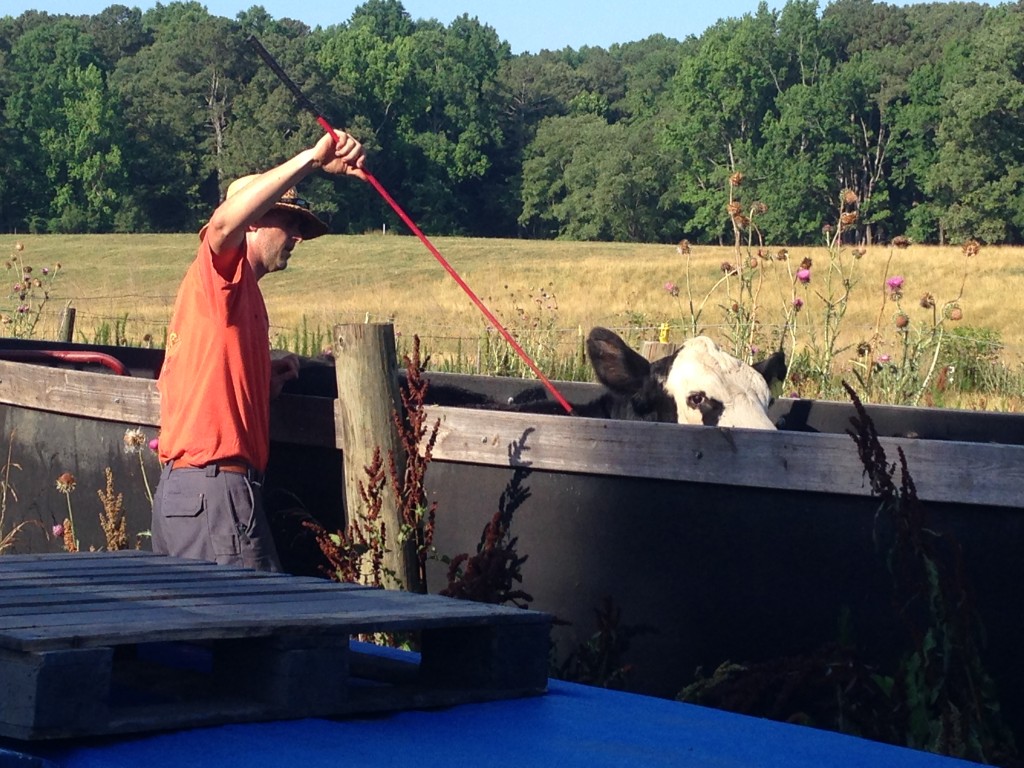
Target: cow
698	384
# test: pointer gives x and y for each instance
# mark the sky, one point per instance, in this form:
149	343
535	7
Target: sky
529	26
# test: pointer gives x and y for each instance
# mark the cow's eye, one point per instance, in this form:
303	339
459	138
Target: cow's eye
694	399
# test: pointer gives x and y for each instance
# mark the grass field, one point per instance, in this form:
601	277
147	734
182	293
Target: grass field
548	294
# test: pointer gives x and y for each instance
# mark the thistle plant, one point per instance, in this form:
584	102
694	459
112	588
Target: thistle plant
920	340
742	281
28	294
814	296
833	285
135	442
66	530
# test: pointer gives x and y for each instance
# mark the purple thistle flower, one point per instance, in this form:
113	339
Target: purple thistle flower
671	288
798	303
895	283
58	531
803	275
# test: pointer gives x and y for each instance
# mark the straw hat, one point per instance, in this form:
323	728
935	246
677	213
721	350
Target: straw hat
310	225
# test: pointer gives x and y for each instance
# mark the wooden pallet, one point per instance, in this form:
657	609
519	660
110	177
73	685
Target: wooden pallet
102	643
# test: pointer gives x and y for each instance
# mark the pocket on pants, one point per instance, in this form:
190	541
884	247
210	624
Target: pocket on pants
182	502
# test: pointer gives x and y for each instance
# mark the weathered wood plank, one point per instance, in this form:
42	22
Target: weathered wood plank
294	419
231	602
211	623
51	598
82	557
948	471
971	473
99	396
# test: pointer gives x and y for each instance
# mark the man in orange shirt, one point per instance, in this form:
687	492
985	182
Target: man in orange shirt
218	379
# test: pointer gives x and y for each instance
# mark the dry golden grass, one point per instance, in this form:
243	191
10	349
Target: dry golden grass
554	288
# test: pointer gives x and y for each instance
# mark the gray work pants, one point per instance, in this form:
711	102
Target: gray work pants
207	514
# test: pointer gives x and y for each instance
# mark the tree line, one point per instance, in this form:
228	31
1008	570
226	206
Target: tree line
774	124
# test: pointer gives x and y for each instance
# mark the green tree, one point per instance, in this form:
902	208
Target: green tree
84	157
722	94
979	168
586	179
53	74
431	100
117	32
177	95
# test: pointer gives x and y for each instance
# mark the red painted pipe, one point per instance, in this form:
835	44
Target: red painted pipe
67	356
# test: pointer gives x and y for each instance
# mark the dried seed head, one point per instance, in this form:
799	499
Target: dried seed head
864	349
901	241
927	301
19	246
759	208
971	248
683	247
66	483
134	439
728	268
736	179
807	263
734	209
858	253
850	197
902	321
782	255
848	219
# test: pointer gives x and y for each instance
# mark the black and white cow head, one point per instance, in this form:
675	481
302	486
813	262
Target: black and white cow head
698	384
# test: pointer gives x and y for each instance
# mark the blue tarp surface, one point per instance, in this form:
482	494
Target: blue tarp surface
572	725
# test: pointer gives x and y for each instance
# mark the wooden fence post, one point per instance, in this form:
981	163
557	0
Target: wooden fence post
655	350
67	324
366	369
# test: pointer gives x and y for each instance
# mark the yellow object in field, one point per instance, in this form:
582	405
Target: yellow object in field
663	333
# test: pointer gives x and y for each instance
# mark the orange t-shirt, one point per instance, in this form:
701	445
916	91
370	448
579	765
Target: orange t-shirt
215	381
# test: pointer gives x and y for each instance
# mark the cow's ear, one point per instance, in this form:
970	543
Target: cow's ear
617	366
772	368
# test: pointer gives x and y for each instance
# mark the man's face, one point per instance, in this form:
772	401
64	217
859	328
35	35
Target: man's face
278	233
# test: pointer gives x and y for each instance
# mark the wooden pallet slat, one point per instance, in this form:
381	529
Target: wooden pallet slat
118	643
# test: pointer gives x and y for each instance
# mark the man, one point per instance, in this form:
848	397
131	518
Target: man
217	379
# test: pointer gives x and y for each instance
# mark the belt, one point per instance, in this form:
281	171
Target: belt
236	467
